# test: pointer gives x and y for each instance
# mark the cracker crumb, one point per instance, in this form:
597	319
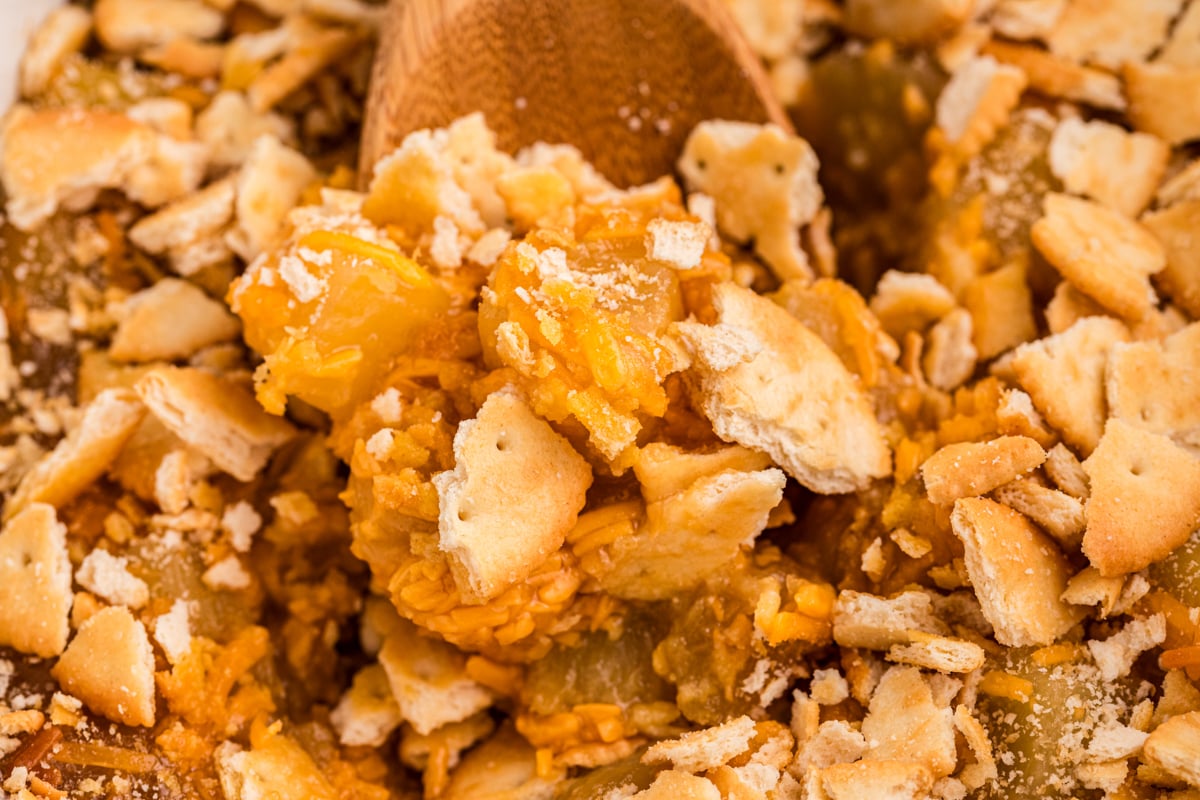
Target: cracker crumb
677	242
108	577
228	574
241	522
1116	654
173	631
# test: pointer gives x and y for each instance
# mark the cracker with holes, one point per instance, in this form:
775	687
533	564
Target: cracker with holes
516	489
1145	499
765	186
1156	385
1018	572
1064	375
35	582
1100	252
768	383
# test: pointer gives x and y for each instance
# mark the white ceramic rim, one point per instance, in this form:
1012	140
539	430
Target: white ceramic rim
18	18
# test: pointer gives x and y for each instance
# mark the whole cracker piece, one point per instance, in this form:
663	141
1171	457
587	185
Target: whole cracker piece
1145	499
515	491
1018	573
794	399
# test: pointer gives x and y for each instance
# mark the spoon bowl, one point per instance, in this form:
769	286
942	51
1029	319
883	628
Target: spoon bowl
623	80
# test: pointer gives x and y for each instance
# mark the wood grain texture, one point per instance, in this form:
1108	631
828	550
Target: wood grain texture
623	80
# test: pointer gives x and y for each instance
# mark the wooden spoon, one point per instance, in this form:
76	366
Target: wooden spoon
623	80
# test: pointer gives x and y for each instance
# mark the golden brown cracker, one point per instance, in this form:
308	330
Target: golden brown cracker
1018	572
1144	502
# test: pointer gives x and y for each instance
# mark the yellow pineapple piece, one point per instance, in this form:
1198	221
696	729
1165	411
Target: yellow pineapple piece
330	314
579	314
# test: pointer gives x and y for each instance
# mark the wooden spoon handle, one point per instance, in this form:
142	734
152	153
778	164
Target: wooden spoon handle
623	80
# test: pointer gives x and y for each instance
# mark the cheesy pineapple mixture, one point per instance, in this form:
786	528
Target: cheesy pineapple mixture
859	463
